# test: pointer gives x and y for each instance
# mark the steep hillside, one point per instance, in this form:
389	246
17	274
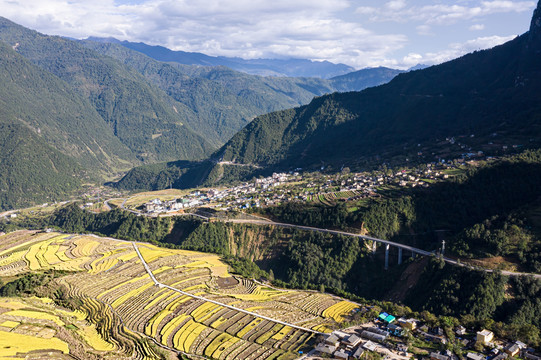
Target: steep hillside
34	98
219	101
31	171
489	94
141	116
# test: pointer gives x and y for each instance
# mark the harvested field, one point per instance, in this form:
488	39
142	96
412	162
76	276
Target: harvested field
116	289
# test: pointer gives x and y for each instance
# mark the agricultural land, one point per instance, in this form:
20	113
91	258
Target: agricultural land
199	308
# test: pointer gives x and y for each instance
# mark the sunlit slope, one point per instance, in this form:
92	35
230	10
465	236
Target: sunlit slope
109	272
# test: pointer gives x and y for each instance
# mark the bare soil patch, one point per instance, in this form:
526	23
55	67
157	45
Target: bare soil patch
228	282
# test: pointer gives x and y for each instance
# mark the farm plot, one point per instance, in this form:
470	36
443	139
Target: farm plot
122	300
35	328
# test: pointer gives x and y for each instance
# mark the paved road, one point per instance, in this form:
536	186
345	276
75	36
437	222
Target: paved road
344	233
156	282
391	243
106	204
123	207
335	232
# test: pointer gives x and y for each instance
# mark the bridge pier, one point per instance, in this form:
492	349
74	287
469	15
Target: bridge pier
387	256
399	256
374	247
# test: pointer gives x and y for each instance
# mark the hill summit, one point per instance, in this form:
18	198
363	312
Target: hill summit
535	27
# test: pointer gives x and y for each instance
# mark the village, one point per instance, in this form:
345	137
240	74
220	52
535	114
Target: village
316	187
406	338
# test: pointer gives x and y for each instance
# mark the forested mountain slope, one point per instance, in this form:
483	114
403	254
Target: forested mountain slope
140	115
488	93
48	136
220	101
32	97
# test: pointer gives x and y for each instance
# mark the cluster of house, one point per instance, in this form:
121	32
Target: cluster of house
368	183
497	352
267	191
345	345
158	205
240	196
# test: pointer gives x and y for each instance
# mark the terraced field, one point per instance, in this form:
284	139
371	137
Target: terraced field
34	328
332	197
121	298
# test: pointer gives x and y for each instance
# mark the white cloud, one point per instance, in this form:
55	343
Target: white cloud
424	30
454	50
246	28
316	29
477	27
366	10
396	5
443	14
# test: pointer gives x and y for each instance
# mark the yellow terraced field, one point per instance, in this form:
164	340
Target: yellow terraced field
217	343
41	328
132	293
158	297
12	343
224	346
152	326
9	324
91	336
50	254
153	253
180	336
32	314
12	258
111	277
85	246
248	327
339	310
167	330
283	332
190	339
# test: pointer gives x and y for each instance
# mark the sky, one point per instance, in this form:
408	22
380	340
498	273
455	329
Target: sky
359	33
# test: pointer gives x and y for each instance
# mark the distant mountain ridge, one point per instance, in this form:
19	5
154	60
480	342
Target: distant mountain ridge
263	67
222	101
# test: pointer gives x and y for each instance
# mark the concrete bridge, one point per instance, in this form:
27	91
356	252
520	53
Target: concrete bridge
401	247
375	241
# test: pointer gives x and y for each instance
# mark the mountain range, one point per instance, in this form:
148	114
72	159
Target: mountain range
107	108
491	98
263	67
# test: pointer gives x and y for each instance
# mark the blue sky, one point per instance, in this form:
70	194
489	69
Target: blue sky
394	33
